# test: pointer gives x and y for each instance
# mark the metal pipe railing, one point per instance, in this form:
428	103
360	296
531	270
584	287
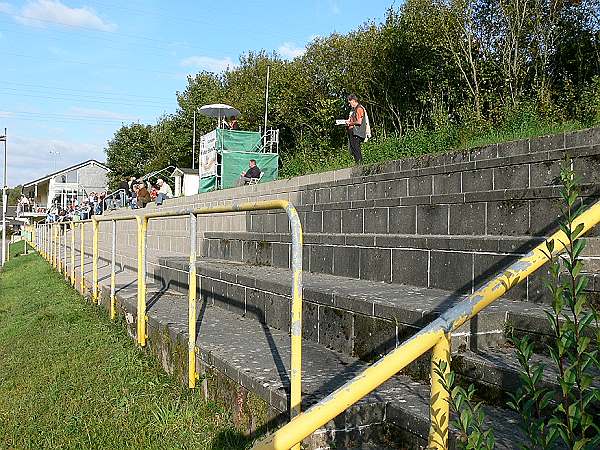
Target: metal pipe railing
434	335
142	220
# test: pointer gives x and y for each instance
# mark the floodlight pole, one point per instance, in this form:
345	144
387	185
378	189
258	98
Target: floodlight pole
194	143
4	203
266	105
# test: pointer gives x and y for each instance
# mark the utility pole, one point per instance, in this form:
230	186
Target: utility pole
266	104
55	154
194	143
4	202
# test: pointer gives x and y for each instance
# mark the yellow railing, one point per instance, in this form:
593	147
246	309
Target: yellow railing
434	336
50	236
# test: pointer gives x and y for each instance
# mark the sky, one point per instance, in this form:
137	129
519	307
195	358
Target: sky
73	72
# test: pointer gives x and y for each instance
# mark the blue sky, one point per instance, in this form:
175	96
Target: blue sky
74	71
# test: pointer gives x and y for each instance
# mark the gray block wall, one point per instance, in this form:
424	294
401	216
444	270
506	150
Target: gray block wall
439	221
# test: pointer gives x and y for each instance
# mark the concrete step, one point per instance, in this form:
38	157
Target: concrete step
235	350
496	371
457	263
438	176
360	318
513	212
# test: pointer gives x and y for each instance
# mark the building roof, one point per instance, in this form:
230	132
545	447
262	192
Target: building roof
76	166
185	170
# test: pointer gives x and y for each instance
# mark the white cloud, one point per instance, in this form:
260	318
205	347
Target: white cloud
6	8
43	12
216	65
29	159
290	50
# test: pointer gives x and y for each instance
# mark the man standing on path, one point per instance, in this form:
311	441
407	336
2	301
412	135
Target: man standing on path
357	127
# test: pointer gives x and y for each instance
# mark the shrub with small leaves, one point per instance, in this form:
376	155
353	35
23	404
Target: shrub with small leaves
468	413
567	414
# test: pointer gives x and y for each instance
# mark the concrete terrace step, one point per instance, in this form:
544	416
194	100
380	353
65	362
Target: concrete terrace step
458	263
516	212
532	171
498	370
257	356
360	318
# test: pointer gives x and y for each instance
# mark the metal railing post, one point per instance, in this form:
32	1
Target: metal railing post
95	297
50	244
73	227
113	255
141	300
59	247
54	238
192	374
65	266
439	406
82	258
296	319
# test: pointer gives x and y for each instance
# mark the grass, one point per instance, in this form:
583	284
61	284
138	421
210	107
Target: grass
423	142
69	378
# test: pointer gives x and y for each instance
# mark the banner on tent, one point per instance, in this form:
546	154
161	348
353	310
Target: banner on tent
208	154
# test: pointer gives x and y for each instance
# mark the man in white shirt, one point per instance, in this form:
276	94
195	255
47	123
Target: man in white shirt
164	191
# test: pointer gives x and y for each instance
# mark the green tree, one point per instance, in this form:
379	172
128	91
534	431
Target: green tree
129	152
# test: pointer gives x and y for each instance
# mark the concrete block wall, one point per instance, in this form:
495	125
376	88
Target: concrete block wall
435	221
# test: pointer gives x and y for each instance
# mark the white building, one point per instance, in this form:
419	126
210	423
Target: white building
187	181
66	186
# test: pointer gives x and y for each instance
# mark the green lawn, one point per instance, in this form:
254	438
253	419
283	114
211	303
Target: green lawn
69	378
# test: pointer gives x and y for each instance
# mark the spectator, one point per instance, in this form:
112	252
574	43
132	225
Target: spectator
125	193
143	196
132	192
164	191
246	176
154	193
232	124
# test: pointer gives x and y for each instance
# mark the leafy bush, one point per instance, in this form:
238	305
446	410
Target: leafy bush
564	415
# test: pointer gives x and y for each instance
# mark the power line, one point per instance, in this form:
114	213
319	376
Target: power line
58	88
7	115
87	63
109	101
68	34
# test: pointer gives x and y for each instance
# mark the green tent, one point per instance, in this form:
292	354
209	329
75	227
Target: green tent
234	149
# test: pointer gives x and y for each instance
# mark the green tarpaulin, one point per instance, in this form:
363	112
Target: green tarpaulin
238	141
208	184
234	163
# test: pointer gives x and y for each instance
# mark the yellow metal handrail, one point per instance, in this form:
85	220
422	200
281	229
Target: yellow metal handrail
434	336
48	243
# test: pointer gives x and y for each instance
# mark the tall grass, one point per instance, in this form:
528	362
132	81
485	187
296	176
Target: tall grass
521	123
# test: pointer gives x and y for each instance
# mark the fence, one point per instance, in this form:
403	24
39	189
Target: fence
435	336
51	241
